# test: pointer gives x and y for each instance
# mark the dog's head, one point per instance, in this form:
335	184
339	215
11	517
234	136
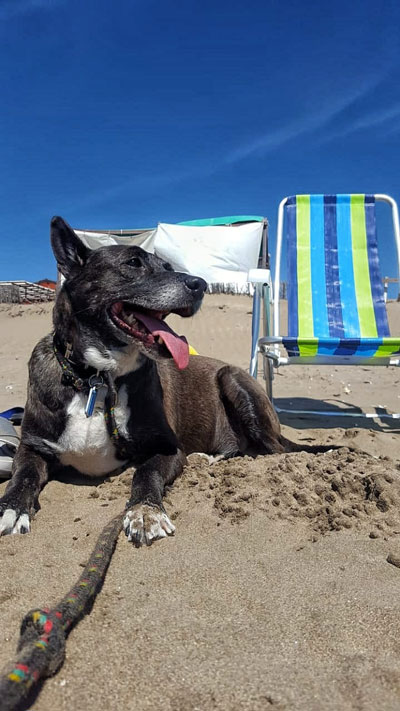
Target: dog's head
119	296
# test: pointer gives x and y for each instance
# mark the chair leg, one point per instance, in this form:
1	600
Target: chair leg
255	331
268	375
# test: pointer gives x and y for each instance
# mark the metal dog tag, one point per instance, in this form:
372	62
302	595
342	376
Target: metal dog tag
95	382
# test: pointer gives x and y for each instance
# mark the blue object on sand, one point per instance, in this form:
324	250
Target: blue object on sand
9	441
14	414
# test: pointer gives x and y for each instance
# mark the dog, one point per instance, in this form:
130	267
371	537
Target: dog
113	386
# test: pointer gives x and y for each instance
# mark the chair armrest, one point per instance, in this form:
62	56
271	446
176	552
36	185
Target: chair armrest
266	340
259	276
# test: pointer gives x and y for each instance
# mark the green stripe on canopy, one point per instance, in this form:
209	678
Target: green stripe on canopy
230	220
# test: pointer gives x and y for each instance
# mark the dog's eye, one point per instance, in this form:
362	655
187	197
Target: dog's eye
168	267
135	262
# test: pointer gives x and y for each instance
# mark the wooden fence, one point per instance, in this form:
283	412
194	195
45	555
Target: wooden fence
24	292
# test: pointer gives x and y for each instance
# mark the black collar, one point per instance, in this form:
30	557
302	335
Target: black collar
73	375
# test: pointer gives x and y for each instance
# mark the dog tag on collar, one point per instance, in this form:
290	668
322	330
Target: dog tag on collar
95	382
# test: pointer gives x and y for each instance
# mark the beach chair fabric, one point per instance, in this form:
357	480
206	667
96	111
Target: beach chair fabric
335	292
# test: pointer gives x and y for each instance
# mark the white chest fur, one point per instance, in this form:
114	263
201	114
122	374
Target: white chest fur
85	443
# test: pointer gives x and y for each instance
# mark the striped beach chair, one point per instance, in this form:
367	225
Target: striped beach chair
336	306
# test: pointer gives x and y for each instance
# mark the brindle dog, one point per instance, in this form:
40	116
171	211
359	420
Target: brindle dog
114	386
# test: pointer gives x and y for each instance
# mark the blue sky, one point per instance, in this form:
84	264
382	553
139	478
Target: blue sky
125	113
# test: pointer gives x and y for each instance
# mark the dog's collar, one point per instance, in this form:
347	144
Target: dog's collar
71	378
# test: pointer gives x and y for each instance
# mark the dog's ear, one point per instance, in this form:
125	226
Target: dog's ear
69	250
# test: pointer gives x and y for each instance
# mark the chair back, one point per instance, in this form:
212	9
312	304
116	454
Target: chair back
335	288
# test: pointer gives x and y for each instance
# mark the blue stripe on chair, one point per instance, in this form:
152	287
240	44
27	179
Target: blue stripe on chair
319	295
293	320
333	297
368	350
348	346
345	259
291	345
328	348
382	324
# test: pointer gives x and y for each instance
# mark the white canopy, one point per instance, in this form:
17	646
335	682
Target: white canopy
94	240
222	255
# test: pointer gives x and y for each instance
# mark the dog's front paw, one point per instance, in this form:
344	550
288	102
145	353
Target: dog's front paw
13	520
144	524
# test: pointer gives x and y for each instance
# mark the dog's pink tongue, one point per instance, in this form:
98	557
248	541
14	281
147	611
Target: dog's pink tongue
177	345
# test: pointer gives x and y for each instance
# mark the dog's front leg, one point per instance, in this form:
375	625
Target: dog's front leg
146	519
29	474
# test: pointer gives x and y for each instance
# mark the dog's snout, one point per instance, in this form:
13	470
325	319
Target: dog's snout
196	285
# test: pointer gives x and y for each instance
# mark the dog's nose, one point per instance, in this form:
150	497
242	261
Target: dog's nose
196	285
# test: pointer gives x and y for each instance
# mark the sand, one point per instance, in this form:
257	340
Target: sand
275	592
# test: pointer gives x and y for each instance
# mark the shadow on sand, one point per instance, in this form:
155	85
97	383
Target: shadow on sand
339	414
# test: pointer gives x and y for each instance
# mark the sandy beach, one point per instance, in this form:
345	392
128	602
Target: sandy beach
275	592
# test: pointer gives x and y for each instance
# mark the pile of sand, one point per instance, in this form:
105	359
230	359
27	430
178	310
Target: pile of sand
337	490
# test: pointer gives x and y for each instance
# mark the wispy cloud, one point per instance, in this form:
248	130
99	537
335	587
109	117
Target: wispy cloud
387	117
315	119
321	121
15	8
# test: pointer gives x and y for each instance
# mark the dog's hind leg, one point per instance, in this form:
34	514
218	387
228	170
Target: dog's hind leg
253	418
250	413
29	474
146	519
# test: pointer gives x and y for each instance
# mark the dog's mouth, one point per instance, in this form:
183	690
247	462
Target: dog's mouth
149	327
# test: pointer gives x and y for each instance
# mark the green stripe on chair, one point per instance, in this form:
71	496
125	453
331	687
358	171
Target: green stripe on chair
389	348
304	280
362	281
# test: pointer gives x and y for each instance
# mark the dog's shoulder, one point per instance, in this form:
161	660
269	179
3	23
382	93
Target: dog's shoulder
46	394
43	354
43	366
